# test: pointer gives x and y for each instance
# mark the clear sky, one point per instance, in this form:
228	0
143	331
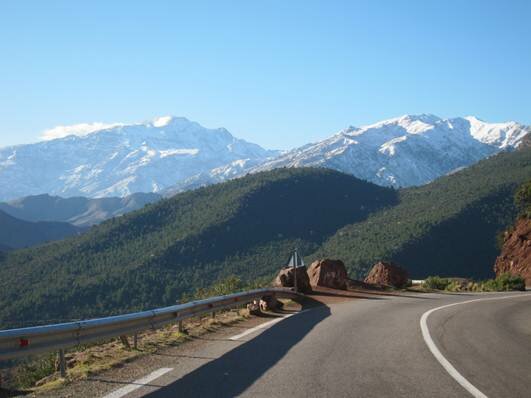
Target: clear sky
278	73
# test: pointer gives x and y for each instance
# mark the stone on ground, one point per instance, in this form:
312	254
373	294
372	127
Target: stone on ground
387	274
328	273
285	278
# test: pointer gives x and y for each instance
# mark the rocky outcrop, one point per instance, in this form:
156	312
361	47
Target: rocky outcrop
328	273
515	257
387	274
285	278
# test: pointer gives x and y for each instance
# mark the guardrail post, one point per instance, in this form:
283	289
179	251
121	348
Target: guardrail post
62	363
125	342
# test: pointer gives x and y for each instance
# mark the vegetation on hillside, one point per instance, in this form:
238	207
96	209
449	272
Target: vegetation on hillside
522	198
502	283
153	256
246	227
446	227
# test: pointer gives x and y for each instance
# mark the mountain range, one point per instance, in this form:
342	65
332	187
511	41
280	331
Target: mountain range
246	226
79	211
407	151
124	159
171	154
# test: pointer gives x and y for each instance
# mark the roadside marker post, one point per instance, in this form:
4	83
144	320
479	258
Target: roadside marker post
62	363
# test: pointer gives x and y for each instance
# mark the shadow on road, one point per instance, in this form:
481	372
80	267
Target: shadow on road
235	371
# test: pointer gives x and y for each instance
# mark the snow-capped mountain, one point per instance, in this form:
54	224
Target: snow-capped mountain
405	151
120	159
170	154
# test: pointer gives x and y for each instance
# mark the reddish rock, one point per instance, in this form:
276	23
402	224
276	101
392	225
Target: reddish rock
328	273
285	279
515	257
387	274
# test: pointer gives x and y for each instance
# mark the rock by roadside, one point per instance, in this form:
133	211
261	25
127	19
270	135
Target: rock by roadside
328	273
387	274
285	278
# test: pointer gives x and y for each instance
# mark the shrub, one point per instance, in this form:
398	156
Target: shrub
506	282
454	286
436	282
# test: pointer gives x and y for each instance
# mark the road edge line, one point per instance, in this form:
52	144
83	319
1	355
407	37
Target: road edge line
473	390
135	385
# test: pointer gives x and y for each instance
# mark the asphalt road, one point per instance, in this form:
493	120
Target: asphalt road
368	348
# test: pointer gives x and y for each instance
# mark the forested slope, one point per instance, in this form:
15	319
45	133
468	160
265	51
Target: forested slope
248	227
151	257
448	227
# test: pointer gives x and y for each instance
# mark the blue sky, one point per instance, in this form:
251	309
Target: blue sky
278	73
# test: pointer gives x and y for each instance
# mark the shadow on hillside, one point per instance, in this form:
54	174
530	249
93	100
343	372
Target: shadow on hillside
464	245
235	371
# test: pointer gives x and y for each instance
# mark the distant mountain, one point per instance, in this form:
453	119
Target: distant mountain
78	211
15	233
407	151
123	159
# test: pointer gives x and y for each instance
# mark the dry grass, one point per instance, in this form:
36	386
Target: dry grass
83	362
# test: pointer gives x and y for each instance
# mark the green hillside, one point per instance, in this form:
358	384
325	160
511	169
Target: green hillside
247	226
448	227
152	256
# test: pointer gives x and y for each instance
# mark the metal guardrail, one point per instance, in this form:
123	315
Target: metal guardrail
38	339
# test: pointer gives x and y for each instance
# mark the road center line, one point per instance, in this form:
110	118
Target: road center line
262	326
475	392
138	383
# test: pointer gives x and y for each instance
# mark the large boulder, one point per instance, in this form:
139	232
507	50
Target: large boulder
328	273
387	274
515	257
285	278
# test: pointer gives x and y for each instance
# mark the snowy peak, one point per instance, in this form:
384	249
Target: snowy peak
119	159
169	154
407	150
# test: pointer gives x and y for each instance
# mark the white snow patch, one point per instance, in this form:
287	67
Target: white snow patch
174	152
389	148
162	121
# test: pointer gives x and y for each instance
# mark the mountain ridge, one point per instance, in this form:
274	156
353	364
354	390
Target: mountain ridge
123	159
409	150
18	234
169	155
79	211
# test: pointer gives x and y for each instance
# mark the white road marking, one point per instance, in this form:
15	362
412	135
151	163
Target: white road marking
138	383
437	354
262	326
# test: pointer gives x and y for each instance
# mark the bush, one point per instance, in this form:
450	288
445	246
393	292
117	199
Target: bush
454	286
522	199
506	282
436	282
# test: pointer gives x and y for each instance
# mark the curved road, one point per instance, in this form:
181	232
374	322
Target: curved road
368	348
